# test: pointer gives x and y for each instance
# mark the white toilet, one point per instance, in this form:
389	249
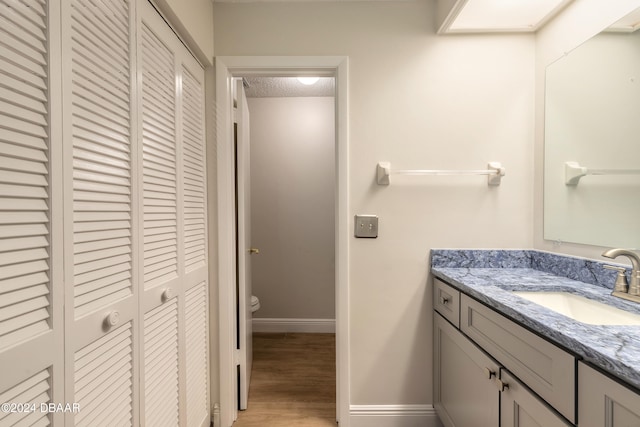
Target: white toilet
255	304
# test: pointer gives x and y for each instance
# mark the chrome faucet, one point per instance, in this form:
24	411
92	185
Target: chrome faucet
634	285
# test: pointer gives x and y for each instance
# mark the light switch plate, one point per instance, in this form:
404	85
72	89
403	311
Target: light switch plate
366	226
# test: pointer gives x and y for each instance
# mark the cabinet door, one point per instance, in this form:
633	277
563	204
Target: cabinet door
464	394
519	407
604	402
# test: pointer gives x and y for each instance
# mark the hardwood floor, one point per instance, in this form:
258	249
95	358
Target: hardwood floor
293	382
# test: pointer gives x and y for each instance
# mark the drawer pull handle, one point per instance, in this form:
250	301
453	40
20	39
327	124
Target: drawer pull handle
444	300
501	385
488	373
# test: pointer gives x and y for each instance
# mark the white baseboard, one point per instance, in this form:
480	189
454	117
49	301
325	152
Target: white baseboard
393	416
294	325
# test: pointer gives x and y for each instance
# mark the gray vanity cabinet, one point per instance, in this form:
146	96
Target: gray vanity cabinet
467	393
604	402
464	393
473	365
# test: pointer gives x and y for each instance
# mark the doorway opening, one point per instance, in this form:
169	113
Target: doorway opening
228	68
291	141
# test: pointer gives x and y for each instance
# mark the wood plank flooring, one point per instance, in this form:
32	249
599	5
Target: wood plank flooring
293	382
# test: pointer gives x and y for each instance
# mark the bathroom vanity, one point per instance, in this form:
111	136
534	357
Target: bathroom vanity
503	360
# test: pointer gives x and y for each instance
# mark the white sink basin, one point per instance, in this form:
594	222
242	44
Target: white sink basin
582	309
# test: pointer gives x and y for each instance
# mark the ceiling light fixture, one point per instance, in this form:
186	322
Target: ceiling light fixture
504	15
308	80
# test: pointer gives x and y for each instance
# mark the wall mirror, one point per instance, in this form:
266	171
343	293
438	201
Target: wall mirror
592	141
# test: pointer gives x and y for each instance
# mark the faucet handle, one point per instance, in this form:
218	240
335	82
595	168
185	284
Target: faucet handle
621	279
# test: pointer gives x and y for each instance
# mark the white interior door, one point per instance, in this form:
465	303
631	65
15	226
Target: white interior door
227	281
243	191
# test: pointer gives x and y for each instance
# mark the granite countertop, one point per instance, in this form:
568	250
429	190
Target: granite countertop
490	276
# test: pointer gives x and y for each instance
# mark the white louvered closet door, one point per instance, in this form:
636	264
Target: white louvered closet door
101	312
31	352
172	176
194	232
103	260
159	174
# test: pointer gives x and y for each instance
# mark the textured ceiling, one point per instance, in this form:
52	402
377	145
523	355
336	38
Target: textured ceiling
277	87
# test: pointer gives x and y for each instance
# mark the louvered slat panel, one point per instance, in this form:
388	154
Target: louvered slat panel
197	354
22	243
17	29
101	154
114	15
22	230
30	15
14	97
104	23
24	173
34	63
159	161
103	379
103	39
194	172
161	365
33	391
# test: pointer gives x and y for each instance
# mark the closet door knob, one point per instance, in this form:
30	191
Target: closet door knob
167	294
112	319
253	251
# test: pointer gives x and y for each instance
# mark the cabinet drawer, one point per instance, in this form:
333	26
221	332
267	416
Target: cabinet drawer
546	369
446	301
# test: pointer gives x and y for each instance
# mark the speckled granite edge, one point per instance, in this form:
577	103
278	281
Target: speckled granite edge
575	268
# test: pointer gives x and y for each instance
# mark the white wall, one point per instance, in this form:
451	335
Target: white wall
292	206
580	21
419	101
192	19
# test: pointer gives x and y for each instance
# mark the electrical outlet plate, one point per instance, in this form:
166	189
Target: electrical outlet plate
366	226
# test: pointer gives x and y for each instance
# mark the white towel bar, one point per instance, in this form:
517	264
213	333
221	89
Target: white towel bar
494	172
573	172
